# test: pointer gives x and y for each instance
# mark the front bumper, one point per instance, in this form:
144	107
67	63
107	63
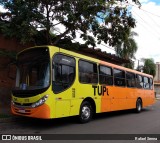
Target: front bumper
42	111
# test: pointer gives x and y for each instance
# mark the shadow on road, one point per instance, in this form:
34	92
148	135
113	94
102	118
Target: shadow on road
41	124
115	114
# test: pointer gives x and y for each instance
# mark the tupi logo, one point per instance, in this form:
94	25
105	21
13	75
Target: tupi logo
101	90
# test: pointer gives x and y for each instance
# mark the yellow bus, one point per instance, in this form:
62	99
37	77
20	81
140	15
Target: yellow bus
52	82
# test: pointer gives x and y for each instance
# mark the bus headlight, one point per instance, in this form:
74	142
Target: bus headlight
12	102
40	102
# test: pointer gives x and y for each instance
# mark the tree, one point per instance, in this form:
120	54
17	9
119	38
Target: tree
28	17
127	48
149	67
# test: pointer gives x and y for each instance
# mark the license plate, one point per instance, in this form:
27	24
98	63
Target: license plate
22	111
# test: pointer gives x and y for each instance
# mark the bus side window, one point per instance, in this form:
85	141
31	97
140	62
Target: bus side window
88	72
105	75
63	73
119	77
130	79
146	83
139	79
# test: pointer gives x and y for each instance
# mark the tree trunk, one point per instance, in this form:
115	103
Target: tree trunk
48	26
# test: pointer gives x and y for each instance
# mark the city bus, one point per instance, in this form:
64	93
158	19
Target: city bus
52	82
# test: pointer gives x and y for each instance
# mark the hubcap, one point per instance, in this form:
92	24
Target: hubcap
85	112
139	106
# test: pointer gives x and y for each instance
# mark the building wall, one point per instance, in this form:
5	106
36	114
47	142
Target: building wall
157	89
157	76
8	45
6	83
157	79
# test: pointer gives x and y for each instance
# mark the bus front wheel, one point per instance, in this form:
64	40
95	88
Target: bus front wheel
86	112
138	106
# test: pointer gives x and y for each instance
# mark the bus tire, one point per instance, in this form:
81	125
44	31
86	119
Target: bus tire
139	105
86	112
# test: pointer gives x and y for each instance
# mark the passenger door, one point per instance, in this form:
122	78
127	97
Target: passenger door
63	77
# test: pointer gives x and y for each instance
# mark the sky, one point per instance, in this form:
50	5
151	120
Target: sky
147	27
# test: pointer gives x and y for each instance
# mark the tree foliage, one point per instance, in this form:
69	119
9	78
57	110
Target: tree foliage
127	48
149	67
9	54
107	19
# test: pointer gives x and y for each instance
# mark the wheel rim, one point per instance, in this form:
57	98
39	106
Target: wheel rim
86	112
139	106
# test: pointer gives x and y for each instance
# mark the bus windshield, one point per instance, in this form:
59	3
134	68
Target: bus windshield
33	69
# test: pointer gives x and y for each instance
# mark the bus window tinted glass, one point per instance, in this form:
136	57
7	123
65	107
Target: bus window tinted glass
87	72
146	83
139	81
105	75
63	72
119	77
130	79
151	83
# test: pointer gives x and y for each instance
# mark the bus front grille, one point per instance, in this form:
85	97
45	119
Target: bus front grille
23	105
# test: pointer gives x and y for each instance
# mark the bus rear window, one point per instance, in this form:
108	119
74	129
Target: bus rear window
151	83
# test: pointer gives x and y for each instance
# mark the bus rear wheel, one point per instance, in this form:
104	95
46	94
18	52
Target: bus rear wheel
138	106
86	112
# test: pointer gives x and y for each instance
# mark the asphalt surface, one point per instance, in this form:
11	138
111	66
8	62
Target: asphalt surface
121	122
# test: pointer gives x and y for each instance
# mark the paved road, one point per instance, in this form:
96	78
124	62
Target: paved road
124	122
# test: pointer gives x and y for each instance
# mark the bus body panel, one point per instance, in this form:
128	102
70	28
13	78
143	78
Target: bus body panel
42	111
